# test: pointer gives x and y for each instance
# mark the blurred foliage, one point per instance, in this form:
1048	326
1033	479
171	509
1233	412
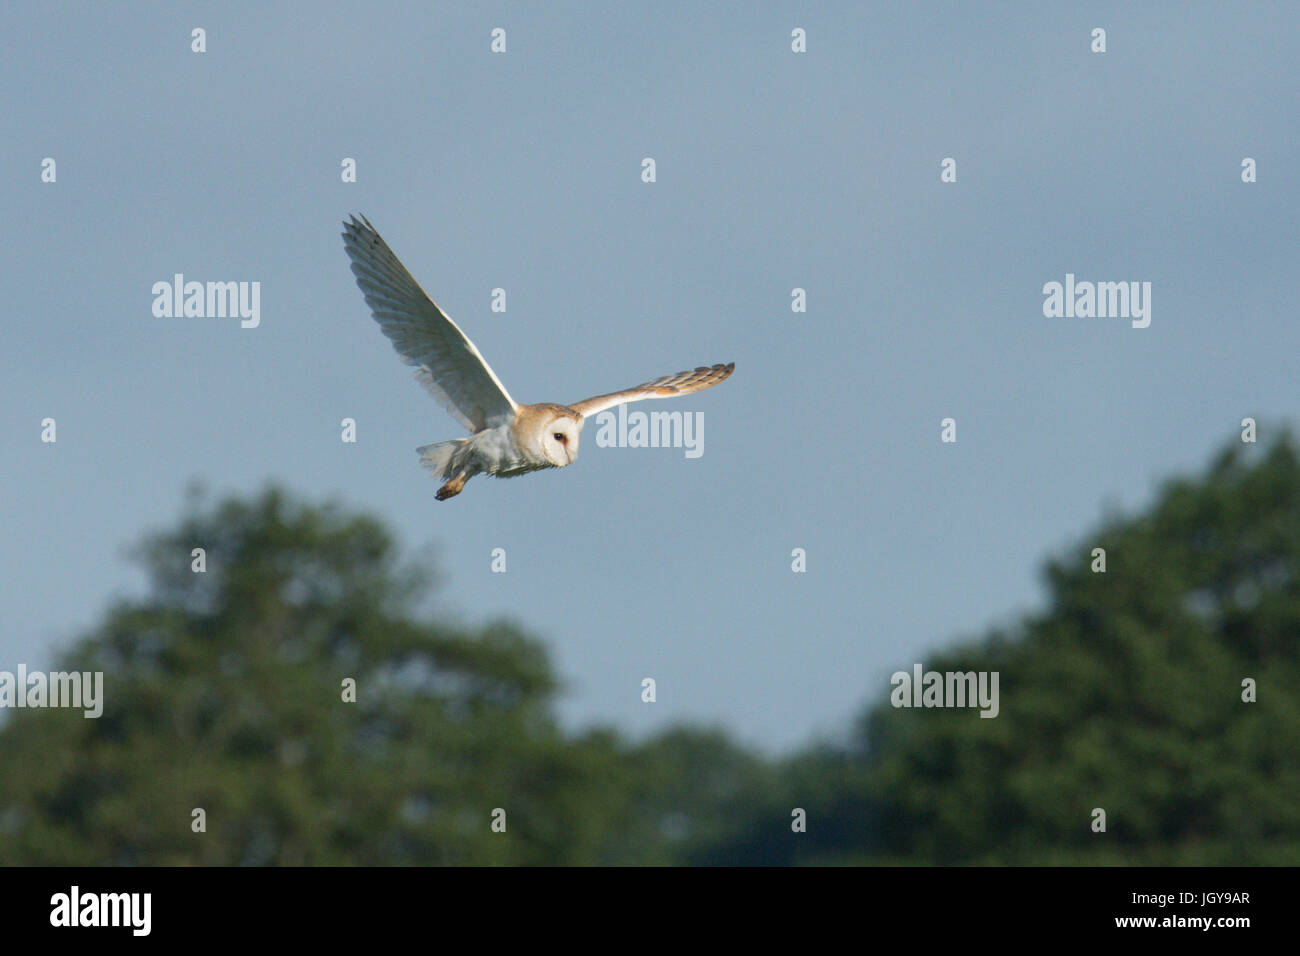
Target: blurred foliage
223	691
1125	694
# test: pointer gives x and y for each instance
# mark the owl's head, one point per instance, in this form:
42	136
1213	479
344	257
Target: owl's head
560	439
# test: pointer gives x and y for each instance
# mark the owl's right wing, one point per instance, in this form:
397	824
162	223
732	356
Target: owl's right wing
683	383
447	363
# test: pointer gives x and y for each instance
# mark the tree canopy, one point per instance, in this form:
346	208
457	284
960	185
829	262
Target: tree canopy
226	692
1126	695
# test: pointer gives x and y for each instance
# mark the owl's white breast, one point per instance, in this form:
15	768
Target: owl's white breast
499	452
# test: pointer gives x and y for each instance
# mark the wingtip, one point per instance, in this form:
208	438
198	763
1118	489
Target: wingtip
359	234
358	221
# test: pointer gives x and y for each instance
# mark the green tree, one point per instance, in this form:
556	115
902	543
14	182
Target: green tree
224	691
1126	694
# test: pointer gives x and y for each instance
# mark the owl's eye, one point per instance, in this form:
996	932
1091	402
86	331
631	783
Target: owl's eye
558	436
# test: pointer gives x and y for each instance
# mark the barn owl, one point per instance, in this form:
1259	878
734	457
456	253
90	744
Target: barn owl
506	438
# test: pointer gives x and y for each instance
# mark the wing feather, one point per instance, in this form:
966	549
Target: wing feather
447	363
682	383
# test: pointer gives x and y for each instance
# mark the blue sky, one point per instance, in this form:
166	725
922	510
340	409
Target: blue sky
775	170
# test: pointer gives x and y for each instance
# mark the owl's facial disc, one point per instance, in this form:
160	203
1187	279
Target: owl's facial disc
560	441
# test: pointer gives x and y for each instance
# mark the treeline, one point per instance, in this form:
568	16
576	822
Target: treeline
1163	691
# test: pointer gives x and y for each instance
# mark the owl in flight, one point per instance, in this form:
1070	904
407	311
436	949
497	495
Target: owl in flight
506	438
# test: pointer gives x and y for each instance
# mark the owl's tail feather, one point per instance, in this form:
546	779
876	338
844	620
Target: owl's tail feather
437	458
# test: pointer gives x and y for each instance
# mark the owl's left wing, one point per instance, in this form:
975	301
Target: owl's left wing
447	363
683	383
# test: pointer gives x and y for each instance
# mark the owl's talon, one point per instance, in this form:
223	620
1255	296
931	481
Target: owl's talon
451	489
